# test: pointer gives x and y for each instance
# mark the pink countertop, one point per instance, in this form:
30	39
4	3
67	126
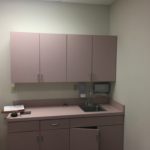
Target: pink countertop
71	111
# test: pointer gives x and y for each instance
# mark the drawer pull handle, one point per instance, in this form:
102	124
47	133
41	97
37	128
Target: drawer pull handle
42	139
38	77
55	124
38	138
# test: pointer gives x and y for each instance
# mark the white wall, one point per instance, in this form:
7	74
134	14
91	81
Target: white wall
130	20
35	16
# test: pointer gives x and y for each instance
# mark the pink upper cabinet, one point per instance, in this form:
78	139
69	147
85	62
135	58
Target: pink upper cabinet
53	57
104	58
79	55
60	58
24	57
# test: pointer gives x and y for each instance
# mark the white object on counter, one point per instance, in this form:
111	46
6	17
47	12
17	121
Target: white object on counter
13	108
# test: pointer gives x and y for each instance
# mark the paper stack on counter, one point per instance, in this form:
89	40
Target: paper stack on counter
13	108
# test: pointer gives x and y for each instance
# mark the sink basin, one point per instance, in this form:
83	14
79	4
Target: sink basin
92	108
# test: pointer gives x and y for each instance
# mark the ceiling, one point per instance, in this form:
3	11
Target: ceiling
103	2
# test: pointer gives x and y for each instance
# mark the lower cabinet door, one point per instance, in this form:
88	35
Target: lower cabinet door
84	139
23	141
111	137
55	139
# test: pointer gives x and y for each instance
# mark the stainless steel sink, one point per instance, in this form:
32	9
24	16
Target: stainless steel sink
92	108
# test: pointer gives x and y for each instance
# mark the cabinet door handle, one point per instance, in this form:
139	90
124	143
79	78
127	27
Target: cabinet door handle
42	138
98	139
38	139
93	77
38	77
90	76
54	124
41	77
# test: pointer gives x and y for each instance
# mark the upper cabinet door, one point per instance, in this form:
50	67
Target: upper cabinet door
53	57
104	58
79	55
24	57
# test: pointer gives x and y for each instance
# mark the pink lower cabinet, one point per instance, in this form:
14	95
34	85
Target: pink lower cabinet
97	138
23	135
97	133
86	138
23	141
111	137
88	133
55	139
54	134
39	135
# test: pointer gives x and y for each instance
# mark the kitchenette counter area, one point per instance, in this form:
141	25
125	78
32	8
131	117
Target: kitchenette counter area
66	111
63	124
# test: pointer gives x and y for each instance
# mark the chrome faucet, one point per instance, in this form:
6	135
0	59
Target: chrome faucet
88	101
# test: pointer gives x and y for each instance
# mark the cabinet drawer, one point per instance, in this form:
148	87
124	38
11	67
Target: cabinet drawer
112	120
96	121
54	124
23	126
81	122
